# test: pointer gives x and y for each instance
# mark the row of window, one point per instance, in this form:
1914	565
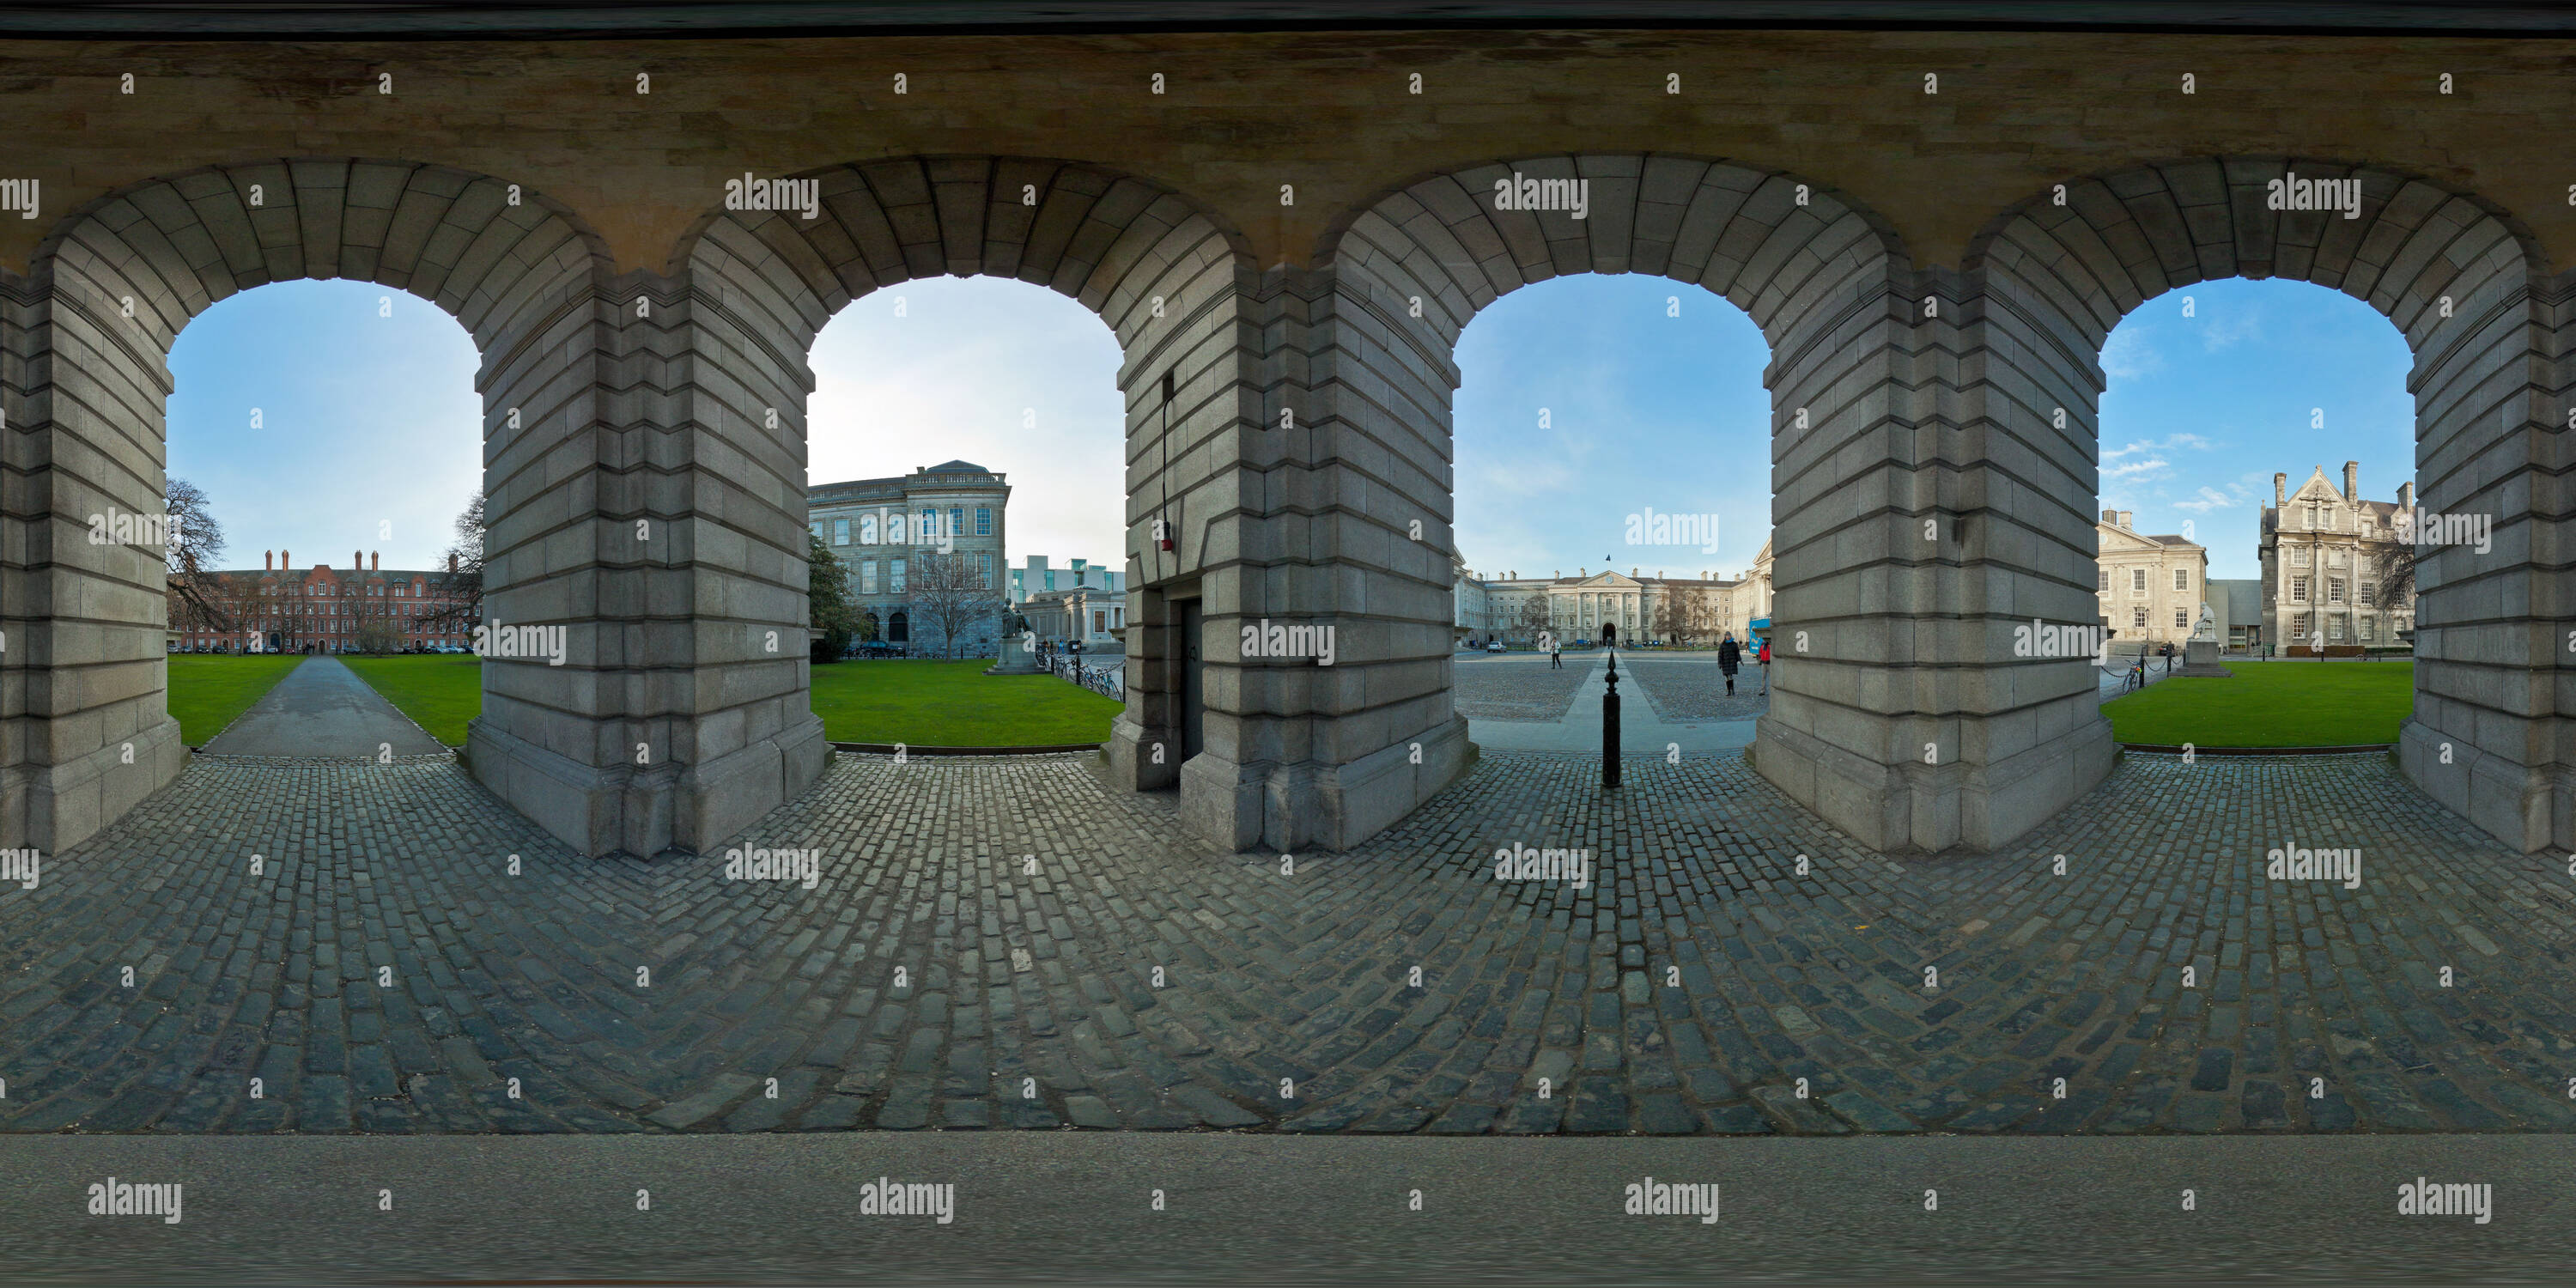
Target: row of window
2334	591
2299	557
2138	580
345	592
895	570
925	527
2302	625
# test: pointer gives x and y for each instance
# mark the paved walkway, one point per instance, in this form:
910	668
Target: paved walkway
1011	942
323	710
1643	730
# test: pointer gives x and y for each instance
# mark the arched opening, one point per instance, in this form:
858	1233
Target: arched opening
113	285
966	472
1612	433
2224	400
1154	266
2453	274
274	391
1826	285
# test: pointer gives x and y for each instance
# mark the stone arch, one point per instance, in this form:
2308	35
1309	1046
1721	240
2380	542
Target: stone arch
1168	277
2456	274
1828	283
87	333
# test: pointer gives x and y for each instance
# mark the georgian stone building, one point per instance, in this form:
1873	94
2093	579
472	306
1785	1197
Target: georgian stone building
880	529
2322	550
278	608
2150	588
1697	610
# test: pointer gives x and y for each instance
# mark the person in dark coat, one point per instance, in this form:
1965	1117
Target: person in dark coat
1729	656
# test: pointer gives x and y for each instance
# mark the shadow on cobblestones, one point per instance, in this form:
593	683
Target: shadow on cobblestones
1007	942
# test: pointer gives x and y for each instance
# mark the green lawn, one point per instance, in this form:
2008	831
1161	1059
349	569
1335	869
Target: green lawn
439	691
211	690
954	704
925	704
2271	704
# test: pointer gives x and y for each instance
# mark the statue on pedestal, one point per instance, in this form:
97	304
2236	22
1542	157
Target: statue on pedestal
2207	627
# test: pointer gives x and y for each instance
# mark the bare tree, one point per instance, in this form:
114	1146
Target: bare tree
1686	613
827	597
1533	615
461	588
2393	567
198	599
949	592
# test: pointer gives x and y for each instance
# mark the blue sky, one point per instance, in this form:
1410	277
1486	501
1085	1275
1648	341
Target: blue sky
1585	400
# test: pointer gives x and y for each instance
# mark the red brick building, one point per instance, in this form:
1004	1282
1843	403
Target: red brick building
282	609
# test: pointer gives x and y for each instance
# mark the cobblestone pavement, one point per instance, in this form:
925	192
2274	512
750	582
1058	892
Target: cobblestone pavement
1692	688
1007	942
1518	686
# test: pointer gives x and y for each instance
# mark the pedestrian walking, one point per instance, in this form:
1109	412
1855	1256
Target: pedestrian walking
1555	656
1763	656
1730	655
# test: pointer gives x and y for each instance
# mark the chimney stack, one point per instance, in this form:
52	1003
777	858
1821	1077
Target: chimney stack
286	561
2110	516
375	560
2280	490
2128	519
357	561
2352	480
268	560
451	565
2406	496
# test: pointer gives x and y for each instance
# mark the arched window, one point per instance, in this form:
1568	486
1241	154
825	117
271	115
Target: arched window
898	629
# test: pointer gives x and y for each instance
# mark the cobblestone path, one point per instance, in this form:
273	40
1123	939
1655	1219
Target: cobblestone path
1692	688
1518	686
1008	943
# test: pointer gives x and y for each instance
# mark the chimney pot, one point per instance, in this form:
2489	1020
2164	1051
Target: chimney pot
268	560
375	560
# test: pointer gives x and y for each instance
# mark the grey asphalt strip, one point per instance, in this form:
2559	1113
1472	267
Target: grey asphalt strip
322	708
1060	1207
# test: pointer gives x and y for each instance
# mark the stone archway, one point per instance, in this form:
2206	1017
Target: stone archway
87	332
1169	279
1832	290
2456	275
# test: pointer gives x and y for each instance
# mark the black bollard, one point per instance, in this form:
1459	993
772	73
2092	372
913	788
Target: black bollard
1610	718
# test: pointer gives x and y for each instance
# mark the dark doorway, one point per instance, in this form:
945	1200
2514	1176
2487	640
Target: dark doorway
898	629
1193	695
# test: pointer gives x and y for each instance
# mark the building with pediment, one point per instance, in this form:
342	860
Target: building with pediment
2325	558
1676	610
2149	587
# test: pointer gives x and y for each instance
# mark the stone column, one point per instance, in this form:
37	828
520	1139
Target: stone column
84	731
1326	503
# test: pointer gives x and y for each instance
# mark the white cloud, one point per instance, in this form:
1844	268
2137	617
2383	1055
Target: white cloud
2209	499
2129	354
2225	329
2136	471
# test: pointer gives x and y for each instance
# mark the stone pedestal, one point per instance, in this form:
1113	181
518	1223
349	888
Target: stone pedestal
2200	657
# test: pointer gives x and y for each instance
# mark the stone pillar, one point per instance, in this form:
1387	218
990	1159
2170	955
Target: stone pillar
87	734
1326	483
1903	555
2493	734
688	716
